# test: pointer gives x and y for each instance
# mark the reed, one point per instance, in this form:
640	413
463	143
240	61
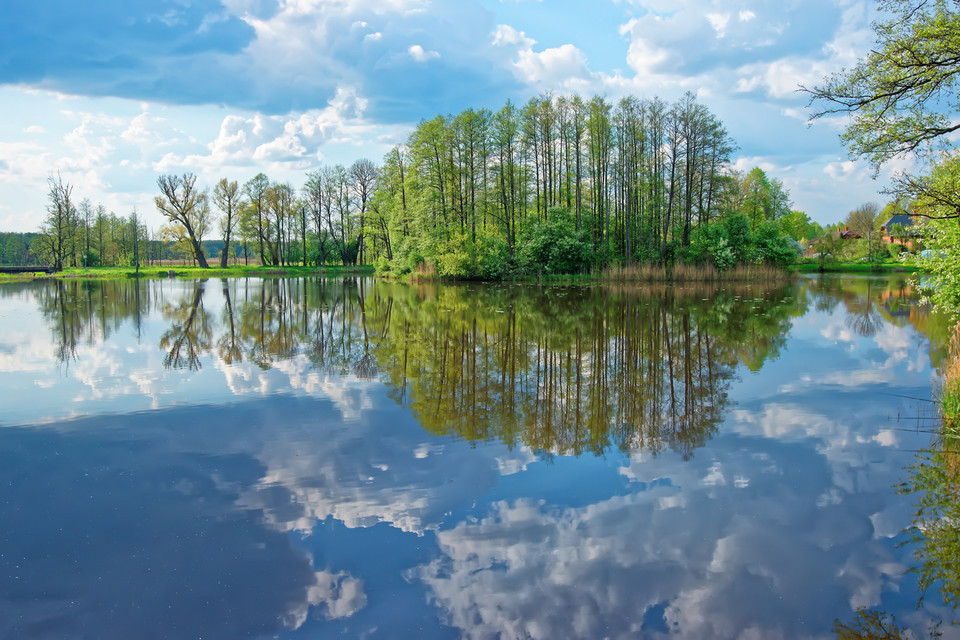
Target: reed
750	273
423	271
948	395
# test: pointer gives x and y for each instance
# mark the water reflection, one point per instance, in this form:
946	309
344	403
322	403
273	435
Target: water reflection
358	459
568	370
561	369
190	334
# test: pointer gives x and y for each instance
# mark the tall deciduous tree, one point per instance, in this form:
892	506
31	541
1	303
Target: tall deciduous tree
186	206
865	221
799	226
256	188
227	197
57	231
363	177
137	234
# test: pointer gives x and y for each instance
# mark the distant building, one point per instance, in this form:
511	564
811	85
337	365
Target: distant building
899	229
846	234
840	233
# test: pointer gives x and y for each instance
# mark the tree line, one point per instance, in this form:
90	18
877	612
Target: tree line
560	184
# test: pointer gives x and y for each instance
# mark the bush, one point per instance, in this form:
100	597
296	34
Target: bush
492	261
381	265
91	259
709	245
407	256
729	242
771	247
895	250
554	246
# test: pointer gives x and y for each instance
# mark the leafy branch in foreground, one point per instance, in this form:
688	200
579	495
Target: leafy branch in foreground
902	95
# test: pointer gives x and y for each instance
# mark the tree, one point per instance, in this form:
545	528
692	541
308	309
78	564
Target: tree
941	236
226	195
57	230
865	222
255	188
185	206
248	229
903	96
763	198
99	226
85	218
278	202
137	233
363	176
799	226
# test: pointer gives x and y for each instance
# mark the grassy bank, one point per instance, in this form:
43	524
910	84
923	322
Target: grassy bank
635	273
948	395
234	271
855	267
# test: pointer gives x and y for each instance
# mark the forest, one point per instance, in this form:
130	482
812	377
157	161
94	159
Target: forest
559	185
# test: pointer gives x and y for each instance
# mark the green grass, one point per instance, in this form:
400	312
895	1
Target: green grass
855	267
233	271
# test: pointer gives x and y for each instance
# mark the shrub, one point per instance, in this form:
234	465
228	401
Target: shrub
895	250
554	246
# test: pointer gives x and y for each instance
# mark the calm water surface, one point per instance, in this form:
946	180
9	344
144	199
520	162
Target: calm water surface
309	458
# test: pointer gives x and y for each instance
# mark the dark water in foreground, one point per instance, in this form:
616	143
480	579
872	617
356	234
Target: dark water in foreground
341	458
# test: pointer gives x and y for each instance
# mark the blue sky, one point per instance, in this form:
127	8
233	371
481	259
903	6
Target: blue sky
112	93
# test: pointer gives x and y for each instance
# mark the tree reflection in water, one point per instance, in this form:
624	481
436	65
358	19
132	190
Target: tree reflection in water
558	369
190	334
573	369
87	311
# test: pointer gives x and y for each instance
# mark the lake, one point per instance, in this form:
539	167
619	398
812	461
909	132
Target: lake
313	458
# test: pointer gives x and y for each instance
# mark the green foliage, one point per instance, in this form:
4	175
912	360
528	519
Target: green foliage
896	250
554	246
764	198
770	247
492	260
381	265
942	238
710	245
407	256
737	229
869	624
799	226
935	535
903	93
455	257
730	242
15	248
